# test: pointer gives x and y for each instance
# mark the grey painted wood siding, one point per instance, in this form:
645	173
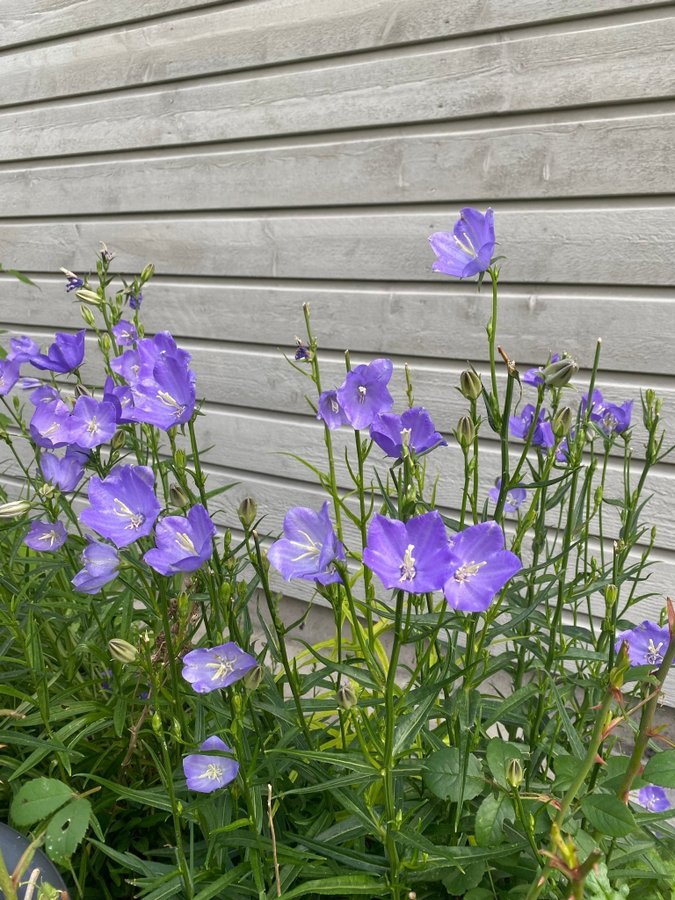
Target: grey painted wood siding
264	153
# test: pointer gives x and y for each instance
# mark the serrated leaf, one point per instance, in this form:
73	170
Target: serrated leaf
499	754
38	799
458	883
608	814
490	818
445	776
66	829
661	769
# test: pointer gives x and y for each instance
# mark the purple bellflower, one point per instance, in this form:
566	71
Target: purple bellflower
466	250
135	300
64	355
50	423
168	399
411	556
308	547
125	333
184	543
22	349
330	410
73	281
46	536
9	375
101	562
480	567
123	504
652	797
63	472
647	643
206	773
543	433
535	377
514	497
218	667
364	395
92	423
413	429
611	418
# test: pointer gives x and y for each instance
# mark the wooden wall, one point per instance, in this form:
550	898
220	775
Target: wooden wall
264	153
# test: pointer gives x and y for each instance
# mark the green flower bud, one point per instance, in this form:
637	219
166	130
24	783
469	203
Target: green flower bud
253	678
81	391
559	373
247	512
87	296
176	730
88	316
118	440
157	723
470	384
147	272
611	595
106	343
225	592
14	508
177	496
122	651
465	432
562	421
179	460
346	696
514	773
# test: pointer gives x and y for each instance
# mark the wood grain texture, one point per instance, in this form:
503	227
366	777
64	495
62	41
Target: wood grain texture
488	76
254	35
634	245
533	160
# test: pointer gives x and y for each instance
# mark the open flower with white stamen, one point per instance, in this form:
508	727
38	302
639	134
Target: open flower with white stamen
468	248
410	556
46	537
210	669
364	394
184	543
308	548
647	643
123	506
480	567
206	772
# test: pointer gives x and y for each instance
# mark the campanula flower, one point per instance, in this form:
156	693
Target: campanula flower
22	349
535	377
101	562
364	395
92	423
330	411
166	400
480	567
308	548
468	248
46	536
63	472
411	556
647	643
413	429
184	543
123	504
206	773
652	797
73	281
50	423
514	496
543	433
9	375
64	355
135	299
210	669
611	418
125	333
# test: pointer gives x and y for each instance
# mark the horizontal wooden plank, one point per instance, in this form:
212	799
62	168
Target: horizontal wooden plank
533	160
426	321
549	71
39	20
281	31
603	243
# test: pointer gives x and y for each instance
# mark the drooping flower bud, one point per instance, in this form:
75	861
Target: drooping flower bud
87	296
122	651
465	432
247	512
346	696
253	678
562	421
558	374
470	384
514	773
14	508
177	496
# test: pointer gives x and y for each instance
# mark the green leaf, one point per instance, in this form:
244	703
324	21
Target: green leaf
340	886
490	818
458	883
608	814
661	769
407	727
66	829
507	706
38	799
446	778
499	754
566	768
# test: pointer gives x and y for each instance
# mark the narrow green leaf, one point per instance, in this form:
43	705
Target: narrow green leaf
340	886
521	696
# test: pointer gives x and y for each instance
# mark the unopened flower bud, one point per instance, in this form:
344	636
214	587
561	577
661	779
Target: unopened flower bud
179	460
465	432
81	391
176	730
346	697
14	508
105	342
88	316
253	678
559	373
46	490
157	723
470	384
621	666
247	512
514	773
118	440
147	272
225	591
122	651
87	296
562	421
611	594
177	496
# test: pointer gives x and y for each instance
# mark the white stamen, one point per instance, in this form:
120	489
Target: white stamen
310	549
123	511
467	248
334	405
653	655
468	570
408	570
168	400
224	667
212	771
183	540
362	393
92	427
52	537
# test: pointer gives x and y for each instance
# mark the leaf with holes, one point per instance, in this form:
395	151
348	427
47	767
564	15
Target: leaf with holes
37	799
66	829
